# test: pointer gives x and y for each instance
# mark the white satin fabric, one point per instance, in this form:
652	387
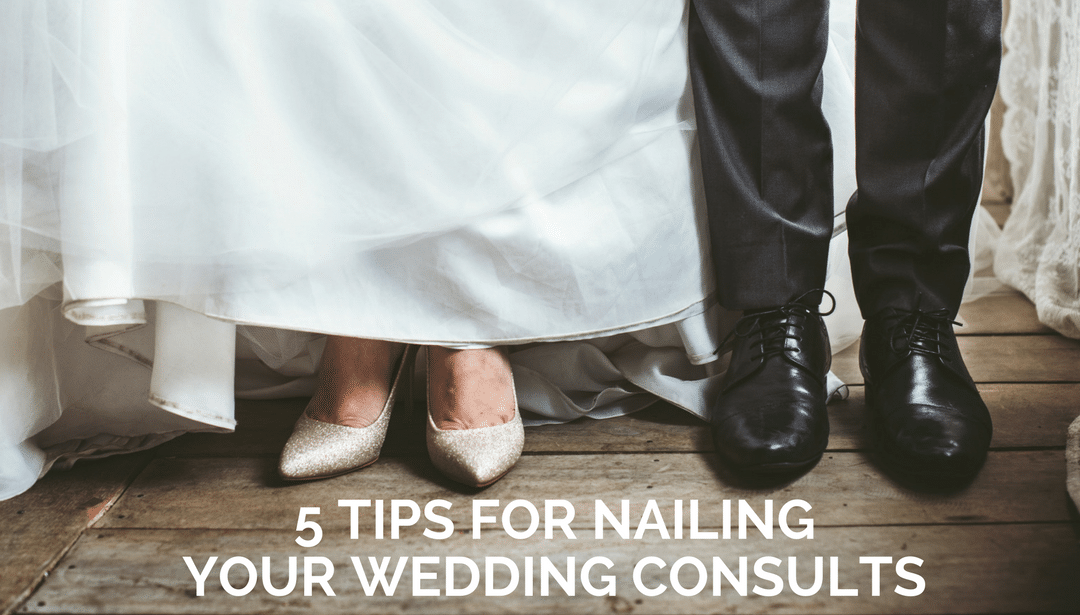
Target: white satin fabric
189	187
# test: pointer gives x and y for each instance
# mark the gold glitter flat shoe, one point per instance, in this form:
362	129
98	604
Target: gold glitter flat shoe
476	457
317	449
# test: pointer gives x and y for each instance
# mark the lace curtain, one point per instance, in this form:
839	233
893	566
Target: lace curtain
1039	251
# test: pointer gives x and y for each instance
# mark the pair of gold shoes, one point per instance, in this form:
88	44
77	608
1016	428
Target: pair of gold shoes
475	457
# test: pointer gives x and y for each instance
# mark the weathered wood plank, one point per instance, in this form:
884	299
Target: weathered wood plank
1012	358
264	426
1003	312
1025	415
844	489
966	569
261	429
1028	415
999	210
997	178
41	524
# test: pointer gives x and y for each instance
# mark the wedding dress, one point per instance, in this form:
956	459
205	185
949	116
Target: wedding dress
1039	252
193	191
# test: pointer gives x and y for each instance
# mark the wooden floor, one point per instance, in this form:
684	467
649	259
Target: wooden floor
110	536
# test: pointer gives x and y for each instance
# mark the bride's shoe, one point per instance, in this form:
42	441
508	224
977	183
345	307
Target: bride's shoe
475	457
317	449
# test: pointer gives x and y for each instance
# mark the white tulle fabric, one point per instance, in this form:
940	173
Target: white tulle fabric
1039	252
192	191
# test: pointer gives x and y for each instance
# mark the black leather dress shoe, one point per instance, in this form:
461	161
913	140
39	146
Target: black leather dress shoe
770	416
928	418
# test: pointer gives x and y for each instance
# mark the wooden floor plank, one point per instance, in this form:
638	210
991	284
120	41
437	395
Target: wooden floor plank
1019	358
999	210
972	569
261	429
41	524
1031	415
1025	415
1007	312
844	489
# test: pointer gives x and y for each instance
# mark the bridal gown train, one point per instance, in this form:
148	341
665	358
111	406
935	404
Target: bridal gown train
193	191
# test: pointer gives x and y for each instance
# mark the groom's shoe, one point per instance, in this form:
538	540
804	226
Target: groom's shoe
928	419
770	416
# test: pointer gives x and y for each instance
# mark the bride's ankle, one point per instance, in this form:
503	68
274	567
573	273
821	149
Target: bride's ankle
354	380
469	389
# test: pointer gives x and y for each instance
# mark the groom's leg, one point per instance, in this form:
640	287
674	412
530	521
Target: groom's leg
766	159
766	153
925	76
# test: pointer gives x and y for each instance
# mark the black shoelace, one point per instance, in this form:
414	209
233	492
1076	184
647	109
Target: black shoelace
774	326
921	332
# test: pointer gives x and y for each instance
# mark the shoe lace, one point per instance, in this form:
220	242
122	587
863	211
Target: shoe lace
922	332
775	326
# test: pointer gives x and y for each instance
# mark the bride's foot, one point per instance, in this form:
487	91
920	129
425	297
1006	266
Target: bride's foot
470	389
354	380
344	425
474	432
